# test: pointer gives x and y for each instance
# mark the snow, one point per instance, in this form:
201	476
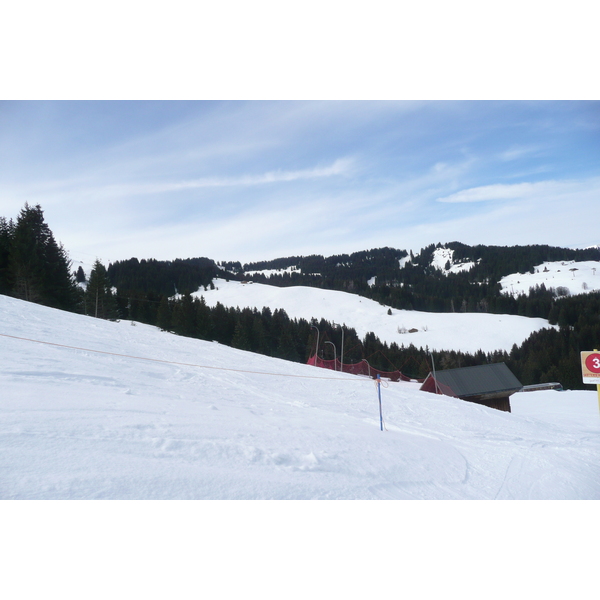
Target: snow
578	277
404	261
269	272
88	415
468	332
442	255
86	265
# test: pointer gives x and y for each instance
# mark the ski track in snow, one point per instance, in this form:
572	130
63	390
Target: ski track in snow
75	424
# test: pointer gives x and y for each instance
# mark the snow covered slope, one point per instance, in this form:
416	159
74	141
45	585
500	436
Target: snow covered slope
212	422
443	256
468	332
576	277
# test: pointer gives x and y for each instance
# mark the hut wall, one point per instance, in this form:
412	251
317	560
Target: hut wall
497	403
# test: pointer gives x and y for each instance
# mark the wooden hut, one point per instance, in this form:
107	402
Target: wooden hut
490	385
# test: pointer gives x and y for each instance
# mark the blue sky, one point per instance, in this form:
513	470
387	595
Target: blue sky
252	180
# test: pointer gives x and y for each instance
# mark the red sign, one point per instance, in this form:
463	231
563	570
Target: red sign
590	367
592	362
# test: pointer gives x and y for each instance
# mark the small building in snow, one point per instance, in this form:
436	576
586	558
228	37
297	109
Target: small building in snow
490	385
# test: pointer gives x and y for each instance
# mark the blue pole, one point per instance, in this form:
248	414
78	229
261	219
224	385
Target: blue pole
379	394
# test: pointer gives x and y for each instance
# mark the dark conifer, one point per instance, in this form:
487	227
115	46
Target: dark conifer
6	236
27	254
184	317
203	320
241	336
99	300
39	267
164	317
80	275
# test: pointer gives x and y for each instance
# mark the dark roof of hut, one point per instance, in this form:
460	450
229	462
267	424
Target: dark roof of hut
474	381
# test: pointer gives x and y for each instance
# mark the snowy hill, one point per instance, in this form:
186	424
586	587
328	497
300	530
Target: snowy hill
468	332
115	411
573	277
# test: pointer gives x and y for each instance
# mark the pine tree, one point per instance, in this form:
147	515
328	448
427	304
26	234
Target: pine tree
203	319
241	336
60	287
80	275
163	319
27	254
6	235
39	267
184	317
223	324
260	336
286	348
99	300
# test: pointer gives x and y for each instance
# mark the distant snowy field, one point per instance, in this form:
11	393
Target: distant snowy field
576	277
468	332
213	422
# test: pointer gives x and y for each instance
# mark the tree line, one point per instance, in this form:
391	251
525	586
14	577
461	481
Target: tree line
415	284
167	278
34	267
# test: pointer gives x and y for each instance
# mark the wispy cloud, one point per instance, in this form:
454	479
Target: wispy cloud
94	189
498	191
517	152
338	167
89	190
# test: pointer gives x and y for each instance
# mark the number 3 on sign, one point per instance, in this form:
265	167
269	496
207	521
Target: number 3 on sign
592	362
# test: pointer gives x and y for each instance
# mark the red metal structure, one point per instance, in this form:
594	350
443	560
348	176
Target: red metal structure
361	368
